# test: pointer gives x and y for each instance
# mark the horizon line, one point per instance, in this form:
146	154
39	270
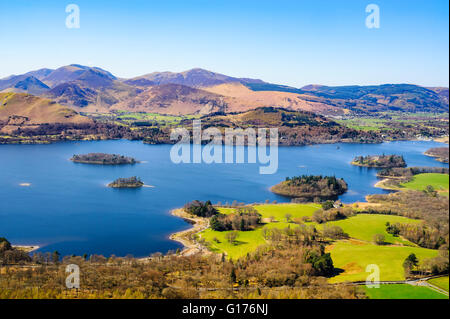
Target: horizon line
232	76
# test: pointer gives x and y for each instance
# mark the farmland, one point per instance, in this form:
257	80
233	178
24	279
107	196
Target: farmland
403	291
391	122
365	226
440	182
139	118
279	211
352	257
441	282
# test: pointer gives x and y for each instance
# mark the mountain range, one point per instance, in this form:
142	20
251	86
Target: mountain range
198	91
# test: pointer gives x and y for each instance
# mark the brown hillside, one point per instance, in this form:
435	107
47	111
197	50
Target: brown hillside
240	98
20	109
173	99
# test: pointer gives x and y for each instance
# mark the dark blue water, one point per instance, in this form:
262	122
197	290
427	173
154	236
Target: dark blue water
69	208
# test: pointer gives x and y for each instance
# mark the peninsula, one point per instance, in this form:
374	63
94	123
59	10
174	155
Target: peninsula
439	153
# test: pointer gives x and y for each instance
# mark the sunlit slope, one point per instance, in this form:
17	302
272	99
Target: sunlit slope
28	109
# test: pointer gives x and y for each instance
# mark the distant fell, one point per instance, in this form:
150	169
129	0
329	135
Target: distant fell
199	91
195	78
21	110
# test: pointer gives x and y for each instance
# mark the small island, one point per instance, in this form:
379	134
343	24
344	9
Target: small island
103	159
379	161
130	182
439	153
311	187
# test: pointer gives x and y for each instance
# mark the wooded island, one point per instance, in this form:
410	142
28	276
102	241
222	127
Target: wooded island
130	182
311	187
103	159
379	161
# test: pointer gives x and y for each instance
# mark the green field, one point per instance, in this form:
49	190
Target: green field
365	124
160	118
394	120
439	182
279	211
226	210
246	242
361	226
402	291
365	226
127	118
353	258
441	282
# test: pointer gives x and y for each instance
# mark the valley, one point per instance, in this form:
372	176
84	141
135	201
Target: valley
319	228
348	230
224	159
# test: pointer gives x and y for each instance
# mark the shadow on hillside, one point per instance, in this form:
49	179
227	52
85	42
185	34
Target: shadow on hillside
239	242
336	272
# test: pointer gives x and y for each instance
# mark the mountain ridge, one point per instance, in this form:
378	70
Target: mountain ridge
93	89
195	77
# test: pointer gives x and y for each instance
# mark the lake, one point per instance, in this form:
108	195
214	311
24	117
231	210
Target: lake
67	206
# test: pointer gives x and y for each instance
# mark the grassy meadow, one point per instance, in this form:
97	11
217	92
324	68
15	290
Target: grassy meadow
129	118
365	226
403	291
441	282
248	241
279	211
159	118
440	182
352	257
393	120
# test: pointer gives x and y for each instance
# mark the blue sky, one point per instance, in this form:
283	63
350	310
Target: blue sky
287	42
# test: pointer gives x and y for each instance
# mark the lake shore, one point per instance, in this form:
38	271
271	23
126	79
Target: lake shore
89	181
437	157
26	248
382	184
199	224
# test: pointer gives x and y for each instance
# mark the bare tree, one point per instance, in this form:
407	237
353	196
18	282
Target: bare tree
231	237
